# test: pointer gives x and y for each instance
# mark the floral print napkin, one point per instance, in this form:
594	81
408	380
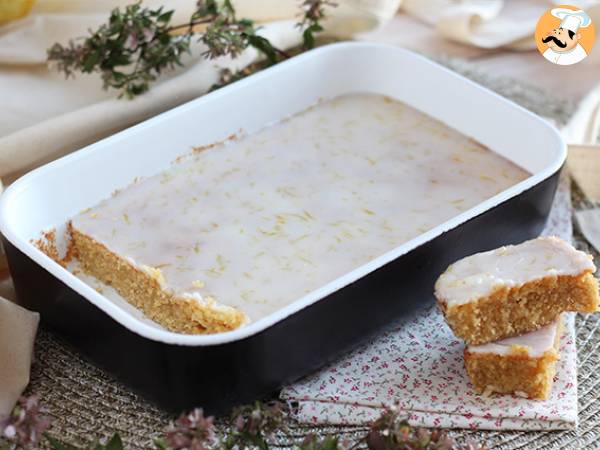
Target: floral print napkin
419	367
417	364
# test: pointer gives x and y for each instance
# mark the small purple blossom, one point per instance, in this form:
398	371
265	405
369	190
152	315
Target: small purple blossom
148	34
191	431
137	37
131	43
259	418
26	423
392	431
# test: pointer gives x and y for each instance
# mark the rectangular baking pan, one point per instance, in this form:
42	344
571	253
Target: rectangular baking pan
217	371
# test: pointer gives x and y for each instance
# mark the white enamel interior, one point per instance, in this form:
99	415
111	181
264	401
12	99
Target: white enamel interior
50	195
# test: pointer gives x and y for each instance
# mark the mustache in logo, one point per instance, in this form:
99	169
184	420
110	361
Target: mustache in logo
556	41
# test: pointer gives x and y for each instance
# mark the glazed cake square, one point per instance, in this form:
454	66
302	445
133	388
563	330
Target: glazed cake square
516	289
522	365
238	230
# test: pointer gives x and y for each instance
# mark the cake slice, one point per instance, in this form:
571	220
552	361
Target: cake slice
144	286
522	365
516	289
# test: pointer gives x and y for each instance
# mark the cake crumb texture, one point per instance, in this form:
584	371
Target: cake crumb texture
143	289
513	374
517	310
47	244
519	369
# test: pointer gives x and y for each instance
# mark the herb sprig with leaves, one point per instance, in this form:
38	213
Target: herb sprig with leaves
130	51
252	427
311	23
227	35
138	43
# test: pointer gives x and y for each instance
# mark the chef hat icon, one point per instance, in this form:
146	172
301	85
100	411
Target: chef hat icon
570	19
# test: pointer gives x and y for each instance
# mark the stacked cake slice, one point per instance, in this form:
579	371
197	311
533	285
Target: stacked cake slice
507	305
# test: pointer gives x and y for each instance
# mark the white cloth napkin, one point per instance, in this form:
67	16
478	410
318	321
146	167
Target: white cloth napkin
43	116
584	164
418	365
589	224
488	33
18	327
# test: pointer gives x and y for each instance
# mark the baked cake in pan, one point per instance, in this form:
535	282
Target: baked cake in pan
236	231
516	289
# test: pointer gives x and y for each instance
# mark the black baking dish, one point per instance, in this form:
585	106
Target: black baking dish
218	371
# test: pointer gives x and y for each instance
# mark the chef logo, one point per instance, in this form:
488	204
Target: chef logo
565	35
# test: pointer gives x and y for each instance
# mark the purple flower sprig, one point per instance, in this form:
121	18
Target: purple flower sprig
137	44
392	432
313	442
26	423
129	51
311	23
192	431
254	425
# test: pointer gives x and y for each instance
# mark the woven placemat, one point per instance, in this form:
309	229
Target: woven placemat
87	403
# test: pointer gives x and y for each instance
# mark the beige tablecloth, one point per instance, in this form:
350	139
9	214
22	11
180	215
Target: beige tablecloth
43	116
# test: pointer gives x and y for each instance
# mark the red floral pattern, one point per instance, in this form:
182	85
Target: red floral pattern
418	365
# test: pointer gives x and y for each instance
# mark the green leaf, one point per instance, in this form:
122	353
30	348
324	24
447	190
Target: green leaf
118	76
263	45
165	17
115	443
90	61
57	445
229	9
115	18
316	27
118	59
246	23
309	35
164	39
330	443
160	444
308	38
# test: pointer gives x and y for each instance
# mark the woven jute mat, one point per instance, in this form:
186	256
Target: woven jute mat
87	403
